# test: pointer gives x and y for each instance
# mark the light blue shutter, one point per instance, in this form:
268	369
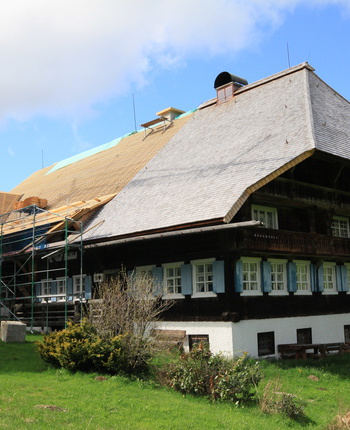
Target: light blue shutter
37	287
70	288
53	290
292	277
239	276
342	278
345	278
266	276
313	277
157	273
88	283
320	278
219	276
186	279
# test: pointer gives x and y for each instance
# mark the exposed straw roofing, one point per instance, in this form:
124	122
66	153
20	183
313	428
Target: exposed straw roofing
7	200
227	151
106	172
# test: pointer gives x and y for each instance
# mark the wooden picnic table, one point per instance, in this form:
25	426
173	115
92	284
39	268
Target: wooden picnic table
311	350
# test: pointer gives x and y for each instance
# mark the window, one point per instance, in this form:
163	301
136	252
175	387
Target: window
347	333
46	287
340	226
266	215
266	343
144	271
303	277
196	339
79	284
203	277
278	276
304	335
61	288
251	275
172	279
329	278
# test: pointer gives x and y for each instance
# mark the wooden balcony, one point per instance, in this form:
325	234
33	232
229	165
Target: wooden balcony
294	243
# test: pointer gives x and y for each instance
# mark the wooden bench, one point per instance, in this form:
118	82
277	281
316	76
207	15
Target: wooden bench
170	337
311	350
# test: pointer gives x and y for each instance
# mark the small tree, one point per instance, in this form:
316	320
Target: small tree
129	305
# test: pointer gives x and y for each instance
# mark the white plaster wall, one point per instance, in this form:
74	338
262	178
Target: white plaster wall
325	328
220	333
235	338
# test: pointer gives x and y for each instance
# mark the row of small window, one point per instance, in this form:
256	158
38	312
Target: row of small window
52	289
269	216
198	278
266	340
277	276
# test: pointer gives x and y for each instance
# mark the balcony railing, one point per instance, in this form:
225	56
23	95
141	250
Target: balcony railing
291	242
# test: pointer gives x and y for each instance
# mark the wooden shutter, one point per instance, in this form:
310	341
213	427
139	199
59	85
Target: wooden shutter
239	276
292	277
157	273
88	284
320	278
186	279
219	276
266	276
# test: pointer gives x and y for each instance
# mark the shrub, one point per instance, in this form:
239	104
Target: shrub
78	347
274	401
199	372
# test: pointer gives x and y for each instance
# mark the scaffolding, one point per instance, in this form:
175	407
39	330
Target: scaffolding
40	252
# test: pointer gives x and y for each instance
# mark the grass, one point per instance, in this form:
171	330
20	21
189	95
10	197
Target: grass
34	396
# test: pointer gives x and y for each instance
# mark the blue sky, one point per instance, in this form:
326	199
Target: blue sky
70	68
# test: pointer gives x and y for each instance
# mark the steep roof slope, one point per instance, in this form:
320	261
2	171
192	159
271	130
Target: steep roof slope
223	153
103	173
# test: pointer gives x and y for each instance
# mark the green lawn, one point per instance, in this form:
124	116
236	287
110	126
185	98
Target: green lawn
34	396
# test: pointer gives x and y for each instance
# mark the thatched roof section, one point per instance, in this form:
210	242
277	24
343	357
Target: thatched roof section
227	151
100	174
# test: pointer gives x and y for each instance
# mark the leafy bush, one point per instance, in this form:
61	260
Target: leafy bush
78	347
199	372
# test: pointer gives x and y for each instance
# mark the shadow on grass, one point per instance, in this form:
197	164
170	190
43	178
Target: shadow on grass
21	357
338	364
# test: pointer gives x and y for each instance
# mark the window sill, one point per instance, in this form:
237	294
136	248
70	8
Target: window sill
251	293
201	295
303	293
329	292
278	293
173	296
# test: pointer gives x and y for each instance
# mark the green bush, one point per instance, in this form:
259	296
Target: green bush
199	372
78	347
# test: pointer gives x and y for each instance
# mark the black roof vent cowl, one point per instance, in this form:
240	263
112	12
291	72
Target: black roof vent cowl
226	85
225	78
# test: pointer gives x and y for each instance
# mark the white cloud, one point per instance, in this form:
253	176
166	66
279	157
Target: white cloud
63	56
10	152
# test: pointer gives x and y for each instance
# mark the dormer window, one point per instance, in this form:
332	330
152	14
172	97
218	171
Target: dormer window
265	214
340	226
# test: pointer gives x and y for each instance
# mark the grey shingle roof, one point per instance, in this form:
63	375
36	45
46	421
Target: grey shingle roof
226	151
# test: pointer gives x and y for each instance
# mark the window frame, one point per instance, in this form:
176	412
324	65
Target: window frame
266	209
250	292
333	290
338	229
347	333
275	292
46	288
166	294
206	293
304	332
299	263
76	281
59	294
272	350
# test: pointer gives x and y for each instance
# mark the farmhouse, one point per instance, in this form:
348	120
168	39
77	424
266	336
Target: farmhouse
239	210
